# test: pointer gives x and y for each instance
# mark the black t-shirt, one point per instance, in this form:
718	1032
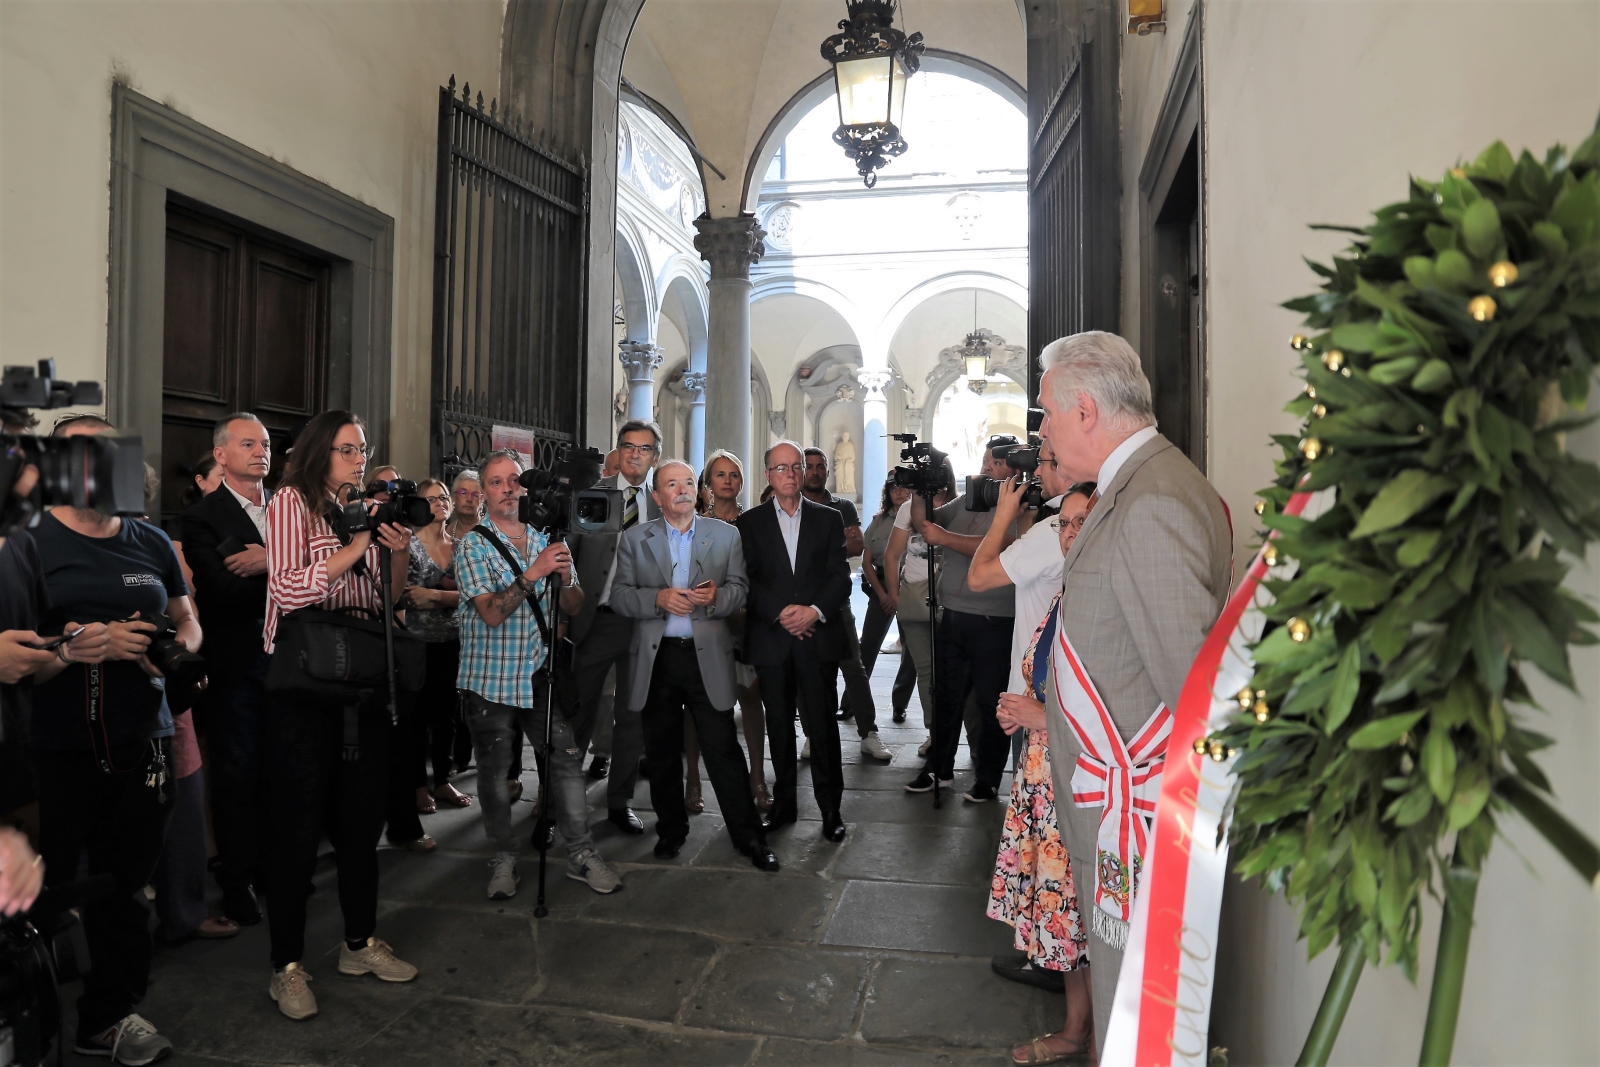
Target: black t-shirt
845	508
22	602
102	579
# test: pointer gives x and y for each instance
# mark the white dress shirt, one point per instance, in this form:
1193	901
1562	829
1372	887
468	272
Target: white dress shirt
1119	456
789	526
257	512
641	497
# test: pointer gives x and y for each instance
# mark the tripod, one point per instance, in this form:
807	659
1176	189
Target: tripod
927	495
547	594
386	580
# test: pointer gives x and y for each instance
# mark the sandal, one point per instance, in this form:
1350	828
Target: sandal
216	929
422	844
425	804
1037	1052
694	799
451	797
514	790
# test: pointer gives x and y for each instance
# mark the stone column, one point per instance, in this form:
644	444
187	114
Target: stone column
878	452
694	383
640	359
731	246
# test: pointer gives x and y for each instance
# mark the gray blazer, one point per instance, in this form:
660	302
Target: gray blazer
644	568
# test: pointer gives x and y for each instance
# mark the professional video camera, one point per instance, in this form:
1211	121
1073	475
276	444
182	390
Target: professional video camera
565	497
923	470
184	671
403	508
984	493
106	473
30	1001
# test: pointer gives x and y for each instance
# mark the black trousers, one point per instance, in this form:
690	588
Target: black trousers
973	658
316	791
676	687
120	821
440	704
802	673
231	717
603	647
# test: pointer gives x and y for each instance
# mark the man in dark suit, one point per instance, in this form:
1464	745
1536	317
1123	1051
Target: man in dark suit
601	637
224	542
794	635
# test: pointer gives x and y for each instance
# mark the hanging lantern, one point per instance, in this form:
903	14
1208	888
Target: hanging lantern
975	354
872	62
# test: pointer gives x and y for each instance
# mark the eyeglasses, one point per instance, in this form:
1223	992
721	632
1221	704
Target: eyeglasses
1076	524
436	499
787	468
466	494
352	451
642	449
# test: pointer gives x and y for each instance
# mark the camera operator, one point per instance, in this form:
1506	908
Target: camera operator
102	750
857	701
972	640
225	539
602	637
314	789
503	663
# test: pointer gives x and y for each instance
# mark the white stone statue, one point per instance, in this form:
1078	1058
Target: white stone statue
844	466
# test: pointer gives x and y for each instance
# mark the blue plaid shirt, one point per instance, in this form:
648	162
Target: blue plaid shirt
498	662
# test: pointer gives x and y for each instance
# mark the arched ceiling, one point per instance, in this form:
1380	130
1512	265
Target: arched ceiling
726	69
785	329
943	320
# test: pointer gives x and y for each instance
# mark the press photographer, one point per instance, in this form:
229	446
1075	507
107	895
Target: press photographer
327	751
102	741
972	638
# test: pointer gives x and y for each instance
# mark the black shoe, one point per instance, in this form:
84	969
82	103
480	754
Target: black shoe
598	767
762	858
665	849
980	793
775	819
845	715
832	827
899	714
241	906
923	783
544	835
1016	967
625	820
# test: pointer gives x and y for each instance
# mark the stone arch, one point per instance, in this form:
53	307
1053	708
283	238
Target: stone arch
638	296
1000	285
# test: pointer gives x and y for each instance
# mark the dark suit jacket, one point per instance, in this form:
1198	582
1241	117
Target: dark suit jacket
232	609
592	555
820	577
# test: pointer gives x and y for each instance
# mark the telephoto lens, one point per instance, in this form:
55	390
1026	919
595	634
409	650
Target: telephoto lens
404	507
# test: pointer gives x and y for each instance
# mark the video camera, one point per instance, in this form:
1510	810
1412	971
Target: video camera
403	508
984	493
565	497
105	473
923	470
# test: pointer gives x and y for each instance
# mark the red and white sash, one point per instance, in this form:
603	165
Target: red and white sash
1123	780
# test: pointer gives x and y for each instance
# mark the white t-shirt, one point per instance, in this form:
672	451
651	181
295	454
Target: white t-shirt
1033	563
914	565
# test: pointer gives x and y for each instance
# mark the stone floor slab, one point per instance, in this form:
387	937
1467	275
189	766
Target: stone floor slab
900	852
738	905
460	881
624	971
775	990
787	1052
467	953
955	1003
902	807
921	918
801	849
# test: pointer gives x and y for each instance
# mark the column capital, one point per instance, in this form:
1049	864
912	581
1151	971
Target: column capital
640	358
731	246
875	382
694	383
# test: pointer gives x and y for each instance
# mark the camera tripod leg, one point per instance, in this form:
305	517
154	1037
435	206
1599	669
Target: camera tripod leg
546	794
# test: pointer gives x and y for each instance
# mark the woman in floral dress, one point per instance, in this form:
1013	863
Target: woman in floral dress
1032	888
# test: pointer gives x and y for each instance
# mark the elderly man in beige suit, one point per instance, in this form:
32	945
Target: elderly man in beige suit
1144	581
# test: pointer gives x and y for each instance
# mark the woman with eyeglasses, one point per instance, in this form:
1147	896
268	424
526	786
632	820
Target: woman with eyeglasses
431	601
1032	888
315	789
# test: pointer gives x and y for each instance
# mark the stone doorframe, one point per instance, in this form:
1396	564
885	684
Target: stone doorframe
157	154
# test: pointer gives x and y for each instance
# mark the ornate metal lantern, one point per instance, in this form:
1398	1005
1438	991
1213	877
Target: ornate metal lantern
975	354
872	62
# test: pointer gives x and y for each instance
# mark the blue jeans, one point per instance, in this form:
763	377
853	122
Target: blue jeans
493	727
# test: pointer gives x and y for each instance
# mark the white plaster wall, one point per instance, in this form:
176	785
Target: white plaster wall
344	91
1316	112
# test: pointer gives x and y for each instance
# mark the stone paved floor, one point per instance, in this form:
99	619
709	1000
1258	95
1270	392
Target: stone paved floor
870	954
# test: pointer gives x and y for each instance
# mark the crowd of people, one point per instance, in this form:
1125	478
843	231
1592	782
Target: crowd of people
630	648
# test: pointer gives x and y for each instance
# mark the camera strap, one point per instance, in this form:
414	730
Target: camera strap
545	632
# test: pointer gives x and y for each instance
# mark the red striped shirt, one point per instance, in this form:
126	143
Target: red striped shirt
298	547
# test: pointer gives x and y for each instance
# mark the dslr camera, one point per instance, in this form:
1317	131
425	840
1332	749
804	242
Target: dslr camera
184	671
984	493
105	473
565	498
922	469
403	508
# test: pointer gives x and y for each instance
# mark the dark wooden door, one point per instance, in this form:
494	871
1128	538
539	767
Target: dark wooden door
246	330
1172	350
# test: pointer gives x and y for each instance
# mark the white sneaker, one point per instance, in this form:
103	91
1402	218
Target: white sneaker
922	749
805	750
503	876
288	987
133	1041
375	957
588	868
871	746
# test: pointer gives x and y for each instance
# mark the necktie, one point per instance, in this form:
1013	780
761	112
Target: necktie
630	509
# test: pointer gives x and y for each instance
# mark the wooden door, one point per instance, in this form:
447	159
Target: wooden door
246	330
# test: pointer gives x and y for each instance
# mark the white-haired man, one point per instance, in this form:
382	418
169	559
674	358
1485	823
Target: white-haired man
1144	582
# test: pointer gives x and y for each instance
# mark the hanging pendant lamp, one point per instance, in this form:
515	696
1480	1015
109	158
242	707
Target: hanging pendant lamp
872	62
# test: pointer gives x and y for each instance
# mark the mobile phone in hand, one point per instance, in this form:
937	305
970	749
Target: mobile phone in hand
56	642
231	546
703	586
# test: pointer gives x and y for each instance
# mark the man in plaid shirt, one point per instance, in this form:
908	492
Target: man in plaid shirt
503	660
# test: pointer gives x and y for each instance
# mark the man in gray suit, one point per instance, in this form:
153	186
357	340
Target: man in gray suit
601	636
681	576
1144	582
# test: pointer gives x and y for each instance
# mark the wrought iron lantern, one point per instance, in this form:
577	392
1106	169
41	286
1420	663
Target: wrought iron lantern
975	354
872	62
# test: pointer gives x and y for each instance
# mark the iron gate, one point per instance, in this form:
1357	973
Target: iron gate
510	278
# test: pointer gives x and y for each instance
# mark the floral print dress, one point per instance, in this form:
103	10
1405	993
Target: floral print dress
1032	887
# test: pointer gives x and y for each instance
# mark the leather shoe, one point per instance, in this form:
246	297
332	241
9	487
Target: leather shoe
598	767
625	820
241	906
762	858
544	834
832	827
774	819
665	849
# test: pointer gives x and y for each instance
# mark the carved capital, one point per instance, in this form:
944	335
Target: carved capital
875	382
731	246
639	358
778	422
694	383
